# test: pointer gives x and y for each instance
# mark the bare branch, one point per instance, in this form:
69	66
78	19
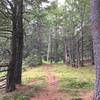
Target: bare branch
11	5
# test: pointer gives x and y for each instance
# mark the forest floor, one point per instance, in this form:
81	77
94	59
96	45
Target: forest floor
55	82
51	92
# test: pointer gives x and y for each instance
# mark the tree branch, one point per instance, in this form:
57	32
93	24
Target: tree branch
10	4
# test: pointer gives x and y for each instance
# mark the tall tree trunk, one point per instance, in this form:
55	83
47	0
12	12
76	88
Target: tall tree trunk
49	47
65	54
19	36
51	53
66	60
15	66
10	86
70	51
56	51
73	52
39	41
96	43
78	54
92	54
82	51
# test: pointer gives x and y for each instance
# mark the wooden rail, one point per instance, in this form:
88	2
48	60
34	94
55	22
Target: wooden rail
3	69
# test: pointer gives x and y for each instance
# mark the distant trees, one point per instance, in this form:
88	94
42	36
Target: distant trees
58	33
35	31
77	31
39	29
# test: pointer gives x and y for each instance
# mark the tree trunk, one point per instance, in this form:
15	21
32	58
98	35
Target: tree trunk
65	55
10	86
56	51
92	54
73	52
66	60
15	67
49	47
70	51
96	43
82	51
78	54
19	36
51	53
39	41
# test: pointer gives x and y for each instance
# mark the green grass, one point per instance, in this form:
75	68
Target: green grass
67	72
74	80
75	84
30	74
48	62
1	98
25	95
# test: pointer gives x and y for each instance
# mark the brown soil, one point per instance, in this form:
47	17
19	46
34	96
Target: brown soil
51	92
88	96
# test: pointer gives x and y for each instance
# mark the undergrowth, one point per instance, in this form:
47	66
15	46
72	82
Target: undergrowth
25	95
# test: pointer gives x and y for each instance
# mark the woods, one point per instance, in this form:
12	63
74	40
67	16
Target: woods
38	32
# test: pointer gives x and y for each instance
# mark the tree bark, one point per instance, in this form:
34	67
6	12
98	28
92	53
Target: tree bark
39	40
96	43
66	60
49	47
92	54
78	54
19	37
10	86
15	67
82	51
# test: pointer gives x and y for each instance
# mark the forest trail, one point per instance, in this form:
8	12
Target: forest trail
88	96
51	92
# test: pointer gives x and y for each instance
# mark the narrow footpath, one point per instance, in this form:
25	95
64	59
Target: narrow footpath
51	92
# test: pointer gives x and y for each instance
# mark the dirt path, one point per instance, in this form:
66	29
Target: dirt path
51	92
88	96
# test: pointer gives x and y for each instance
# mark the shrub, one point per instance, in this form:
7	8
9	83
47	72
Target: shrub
33	60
